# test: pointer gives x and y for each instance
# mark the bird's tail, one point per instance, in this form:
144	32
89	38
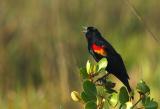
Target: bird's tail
129	90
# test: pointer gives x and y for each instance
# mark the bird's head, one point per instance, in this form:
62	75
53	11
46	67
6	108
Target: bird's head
91	32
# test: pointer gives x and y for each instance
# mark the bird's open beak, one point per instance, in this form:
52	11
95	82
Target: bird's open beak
84	29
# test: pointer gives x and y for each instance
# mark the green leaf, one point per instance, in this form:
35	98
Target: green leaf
88	67
95	69
145	100
142	87
113	99
106	105
102	64
148	103
83	73
123	106
151	105
89	88
101	91
87	98
90	105
123	95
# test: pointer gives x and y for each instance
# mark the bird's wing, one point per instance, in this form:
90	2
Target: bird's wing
119	66
99	48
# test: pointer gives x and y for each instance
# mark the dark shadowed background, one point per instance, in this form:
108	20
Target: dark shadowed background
42	47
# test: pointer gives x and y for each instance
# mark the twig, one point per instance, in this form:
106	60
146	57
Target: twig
141	97
136	103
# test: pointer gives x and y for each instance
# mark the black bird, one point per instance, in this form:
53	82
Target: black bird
100	48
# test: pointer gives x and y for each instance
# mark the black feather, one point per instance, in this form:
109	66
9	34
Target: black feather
115	63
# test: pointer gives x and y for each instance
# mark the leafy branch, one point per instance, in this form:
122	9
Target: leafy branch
99	93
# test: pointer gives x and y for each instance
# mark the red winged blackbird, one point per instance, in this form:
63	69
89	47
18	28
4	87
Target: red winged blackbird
100	48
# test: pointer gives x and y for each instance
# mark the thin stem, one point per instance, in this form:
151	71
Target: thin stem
136	103
141	97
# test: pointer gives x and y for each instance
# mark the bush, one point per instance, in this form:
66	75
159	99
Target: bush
100	94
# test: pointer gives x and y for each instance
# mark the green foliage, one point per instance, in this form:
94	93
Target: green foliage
142	87
90	105
102	64
149	103
88	67
101	91
123	95
90	91
83	73
89	88
113	99
85	97
98	94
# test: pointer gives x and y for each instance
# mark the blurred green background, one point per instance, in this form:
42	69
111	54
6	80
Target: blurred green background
42	47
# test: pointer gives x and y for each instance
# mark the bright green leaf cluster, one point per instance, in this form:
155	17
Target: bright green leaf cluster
98	93
94	69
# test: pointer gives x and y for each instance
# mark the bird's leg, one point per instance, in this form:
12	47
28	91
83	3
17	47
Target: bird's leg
107	84
102	80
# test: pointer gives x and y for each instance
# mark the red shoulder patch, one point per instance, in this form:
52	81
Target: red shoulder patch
99	50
